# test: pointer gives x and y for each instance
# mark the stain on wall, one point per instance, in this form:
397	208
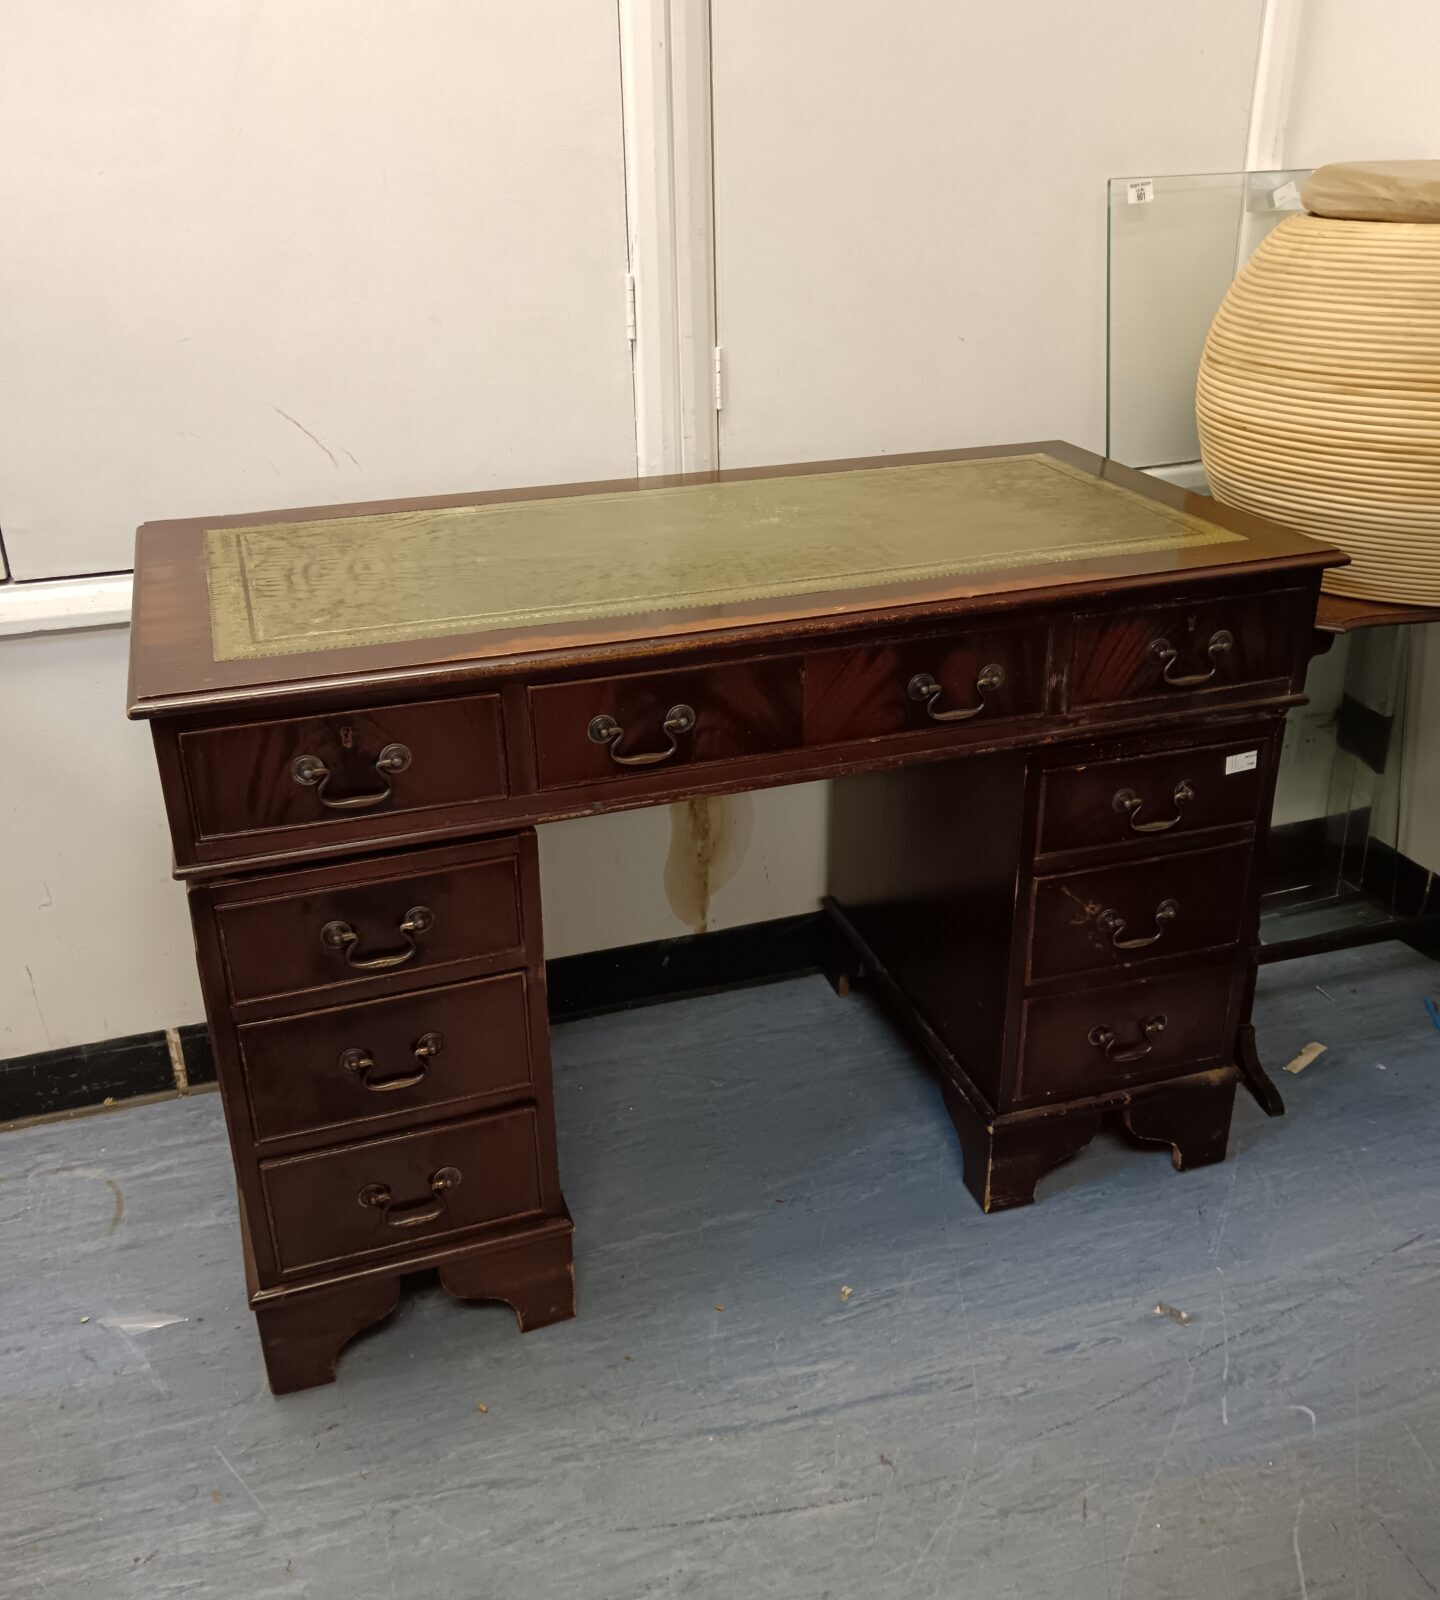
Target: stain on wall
709	836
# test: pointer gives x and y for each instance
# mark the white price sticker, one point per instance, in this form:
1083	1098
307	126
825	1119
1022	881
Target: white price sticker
1139	191
1287	197
1244	762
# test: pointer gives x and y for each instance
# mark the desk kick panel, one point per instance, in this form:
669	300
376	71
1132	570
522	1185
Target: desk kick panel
339	582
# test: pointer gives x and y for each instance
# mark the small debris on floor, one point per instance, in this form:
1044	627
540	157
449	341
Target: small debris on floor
1330	997
1379	1066
846	1291
1306	1056
481	1406
215	1496
1432	1005
719	1308
1174	1314
84	1319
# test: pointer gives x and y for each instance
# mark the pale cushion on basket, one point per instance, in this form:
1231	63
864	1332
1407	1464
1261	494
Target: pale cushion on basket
1375	191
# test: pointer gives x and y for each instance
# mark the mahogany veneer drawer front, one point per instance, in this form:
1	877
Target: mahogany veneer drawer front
436	1050
389	1194
941	683
348	771
600	728
1112	916
1138	799
1183	651
1088	1043
317	931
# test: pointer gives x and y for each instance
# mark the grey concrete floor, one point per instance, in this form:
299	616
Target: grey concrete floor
995	1411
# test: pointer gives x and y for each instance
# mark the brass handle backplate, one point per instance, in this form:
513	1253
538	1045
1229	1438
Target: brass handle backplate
360	1061
926	690
310	772
1106	1039
416	1213
1111	922
1222	641
340	936
1129	804
605	730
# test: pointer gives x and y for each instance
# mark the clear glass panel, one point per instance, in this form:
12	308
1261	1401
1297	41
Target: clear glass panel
1175	243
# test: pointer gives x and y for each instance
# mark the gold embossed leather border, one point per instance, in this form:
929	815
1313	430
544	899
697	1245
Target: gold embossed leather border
339	582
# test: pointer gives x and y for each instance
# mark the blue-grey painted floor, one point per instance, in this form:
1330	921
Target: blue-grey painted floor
995	1411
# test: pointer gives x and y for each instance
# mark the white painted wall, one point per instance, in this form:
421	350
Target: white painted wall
910	207
1363	88
268	253
910	236
1363	85
94	935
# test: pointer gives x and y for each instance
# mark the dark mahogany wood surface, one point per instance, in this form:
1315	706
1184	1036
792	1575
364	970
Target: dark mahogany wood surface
1182	1021
368	922
274	943
242	777
429	1055
318	1216
744	709
173	665
1119	916
1117	652
1342	613
1149	800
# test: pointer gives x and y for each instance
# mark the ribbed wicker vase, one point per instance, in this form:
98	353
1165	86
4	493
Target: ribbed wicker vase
1319	394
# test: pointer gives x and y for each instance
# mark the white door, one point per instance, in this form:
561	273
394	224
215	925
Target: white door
284	252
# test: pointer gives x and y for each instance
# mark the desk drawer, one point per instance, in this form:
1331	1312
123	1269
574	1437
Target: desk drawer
349	770
1083	1044
313	932
1112	917
435	1050
411	1189
603	728
1138	799
1183	652
943	683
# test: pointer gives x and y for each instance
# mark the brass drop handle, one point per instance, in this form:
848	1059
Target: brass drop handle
605	730
342	937
1111	922
312	773
360	1061
1129	803
1222	641
415	1213
1105	1039
927	691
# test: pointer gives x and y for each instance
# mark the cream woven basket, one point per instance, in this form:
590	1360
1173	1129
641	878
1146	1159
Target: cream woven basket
1318	400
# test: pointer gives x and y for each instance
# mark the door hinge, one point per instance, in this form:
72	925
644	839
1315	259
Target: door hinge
719	378
630	306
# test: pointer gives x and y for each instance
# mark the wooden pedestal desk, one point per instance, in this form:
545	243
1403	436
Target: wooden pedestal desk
1051	691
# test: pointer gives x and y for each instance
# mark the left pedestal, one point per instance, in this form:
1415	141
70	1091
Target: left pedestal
382	1049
